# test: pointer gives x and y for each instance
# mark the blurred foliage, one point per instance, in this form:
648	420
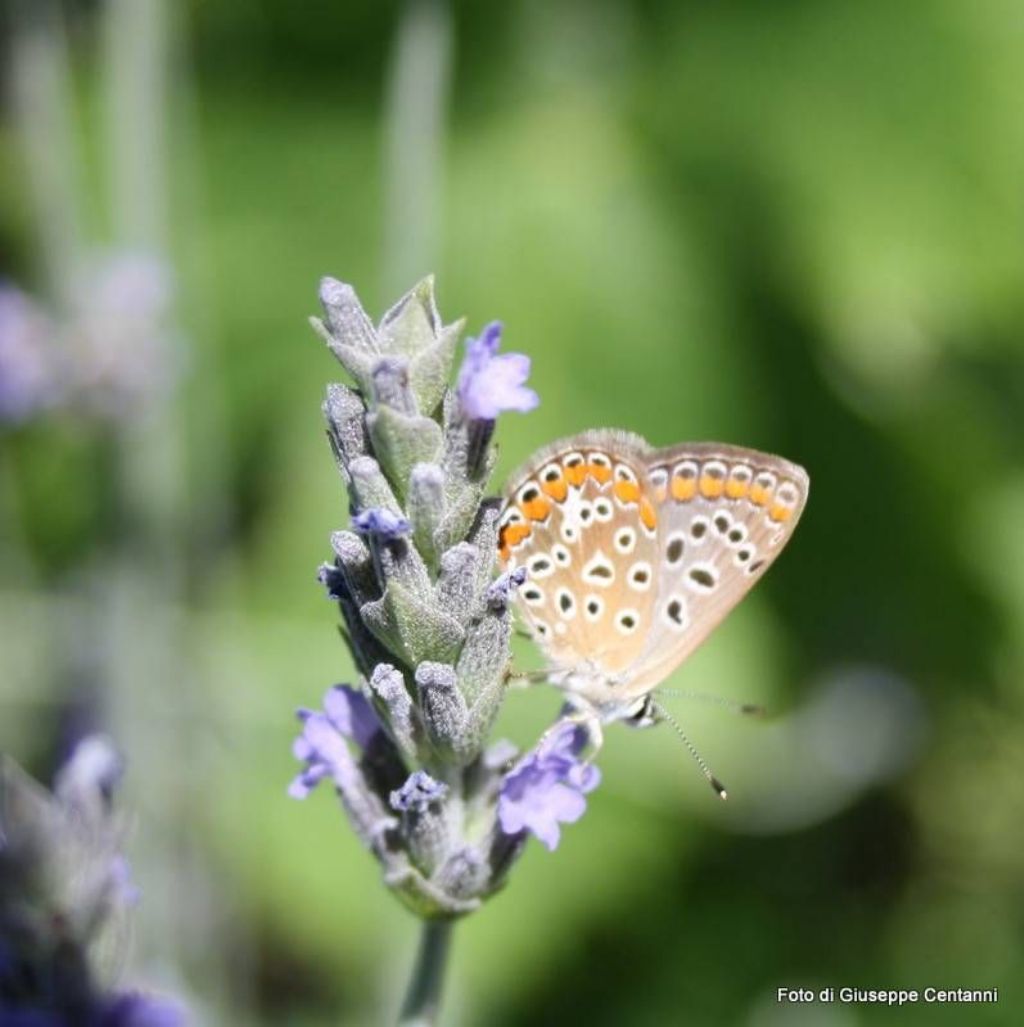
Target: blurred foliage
792	226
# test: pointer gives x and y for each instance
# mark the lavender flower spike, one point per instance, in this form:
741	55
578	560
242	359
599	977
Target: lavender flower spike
62	878
489	384
426	614
547	787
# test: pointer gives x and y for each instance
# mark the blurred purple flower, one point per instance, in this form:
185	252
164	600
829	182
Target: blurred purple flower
133	1009
30	1018
489	384
382	523
547	787
88	777
27	381
418	792
120	350
322	745
129	1009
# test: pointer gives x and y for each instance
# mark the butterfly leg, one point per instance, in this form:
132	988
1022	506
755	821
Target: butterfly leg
523	679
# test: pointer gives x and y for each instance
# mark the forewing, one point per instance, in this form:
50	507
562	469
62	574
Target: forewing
579	518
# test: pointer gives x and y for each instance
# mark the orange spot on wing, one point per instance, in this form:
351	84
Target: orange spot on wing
504	553
736	489
576	475
512	534
556	489
627	491
684	488
536	509
599	472
711	487
759	495
779	512
647	514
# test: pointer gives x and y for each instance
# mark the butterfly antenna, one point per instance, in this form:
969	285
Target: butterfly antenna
747	709
717	785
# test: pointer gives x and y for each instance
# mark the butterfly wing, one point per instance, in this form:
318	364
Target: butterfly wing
635	555
579	518
724	515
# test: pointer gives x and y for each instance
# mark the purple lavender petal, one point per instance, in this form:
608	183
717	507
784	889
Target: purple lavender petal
28	382
328	746
418	792
382	523
132	1009
547	787
305	782
351	713
322	744
488	383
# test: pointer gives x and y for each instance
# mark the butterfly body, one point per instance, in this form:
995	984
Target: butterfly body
635	554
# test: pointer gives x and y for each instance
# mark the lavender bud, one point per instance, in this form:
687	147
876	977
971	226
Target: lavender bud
425	819
346	430
445	712
456	590
346	321
355	561
426	508
388	685
391	385
465	873
369	487
330	576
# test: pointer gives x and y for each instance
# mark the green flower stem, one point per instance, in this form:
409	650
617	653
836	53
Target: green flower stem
423	999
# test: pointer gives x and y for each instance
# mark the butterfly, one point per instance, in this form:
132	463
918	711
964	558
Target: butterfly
635	554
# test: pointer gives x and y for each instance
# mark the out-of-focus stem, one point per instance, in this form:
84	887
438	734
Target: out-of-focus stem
40	92
417	99
423	999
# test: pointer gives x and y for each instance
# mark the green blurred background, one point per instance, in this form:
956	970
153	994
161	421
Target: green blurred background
794	226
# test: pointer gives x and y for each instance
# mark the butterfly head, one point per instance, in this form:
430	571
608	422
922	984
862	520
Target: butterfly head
642	713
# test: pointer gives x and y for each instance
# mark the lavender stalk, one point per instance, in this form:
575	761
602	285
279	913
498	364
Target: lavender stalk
445	811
